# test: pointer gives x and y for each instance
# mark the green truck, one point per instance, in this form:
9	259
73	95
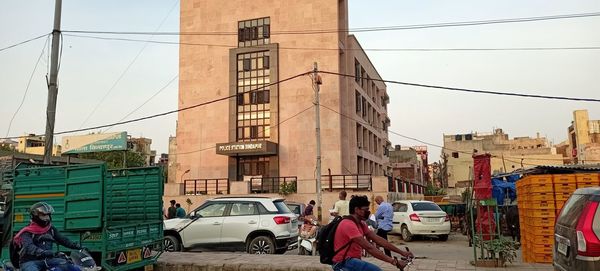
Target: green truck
122	209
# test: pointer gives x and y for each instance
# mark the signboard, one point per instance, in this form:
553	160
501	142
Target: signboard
94	143
247	148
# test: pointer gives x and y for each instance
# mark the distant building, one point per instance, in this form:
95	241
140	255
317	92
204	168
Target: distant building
409	169
142	146
173	165
584	139
507	155
33	144
8	144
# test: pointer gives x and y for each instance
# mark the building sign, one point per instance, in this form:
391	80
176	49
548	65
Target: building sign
94	143
247	148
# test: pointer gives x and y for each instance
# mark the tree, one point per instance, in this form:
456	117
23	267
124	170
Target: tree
114	159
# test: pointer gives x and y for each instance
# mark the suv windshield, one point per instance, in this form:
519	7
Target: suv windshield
425	206
282	208
569	216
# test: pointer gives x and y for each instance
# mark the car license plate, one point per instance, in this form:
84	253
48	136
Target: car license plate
431	219
134	255
563	248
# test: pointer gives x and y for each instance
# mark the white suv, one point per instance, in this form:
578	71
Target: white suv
253	224
419	217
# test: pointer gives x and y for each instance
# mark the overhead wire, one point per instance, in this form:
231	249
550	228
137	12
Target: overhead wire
23	42
146	101
356	30
27	87
124	72
167	112
471	90
569	48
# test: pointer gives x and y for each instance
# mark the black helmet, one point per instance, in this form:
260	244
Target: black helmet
41	213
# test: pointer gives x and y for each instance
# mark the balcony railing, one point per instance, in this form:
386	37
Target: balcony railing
263	185
207	186
354	182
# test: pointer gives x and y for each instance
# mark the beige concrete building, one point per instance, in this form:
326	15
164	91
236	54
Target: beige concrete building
583	139
507	155
33	144
269	130
143	146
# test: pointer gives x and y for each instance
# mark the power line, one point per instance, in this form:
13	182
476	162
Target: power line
571	48
27	88
356	30
23	42
126	69
167	112
473	90
145	102
260	132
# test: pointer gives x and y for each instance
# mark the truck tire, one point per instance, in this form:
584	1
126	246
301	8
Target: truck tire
171	244
261	245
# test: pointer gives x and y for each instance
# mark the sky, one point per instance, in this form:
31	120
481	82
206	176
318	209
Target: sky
90	68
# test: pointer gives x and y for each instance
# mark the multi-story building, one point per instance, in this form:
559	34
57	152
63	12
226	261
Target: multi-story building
268	129
142	146
33	144
409	168
583	139
507	155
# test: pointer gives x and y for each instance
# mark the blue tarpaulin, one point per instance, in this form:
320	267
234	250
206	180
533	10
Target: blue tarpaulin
503	186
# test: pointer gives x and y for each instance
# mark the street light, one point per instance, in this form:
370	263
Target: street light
186	172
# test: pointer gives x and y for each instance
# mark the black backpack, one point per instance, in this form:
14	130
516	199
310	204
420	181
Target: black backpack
325	241
13	251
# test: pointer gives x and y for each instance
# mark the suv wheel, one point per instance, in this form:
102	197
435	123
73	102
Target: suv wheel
171	244
261	245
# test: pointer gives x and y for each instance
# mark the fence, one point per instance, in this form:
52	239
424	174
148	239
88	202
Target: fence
264	185
354	182
207	186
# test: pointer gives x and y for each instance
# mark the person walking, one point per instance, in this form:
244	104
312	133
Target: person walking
341	207
179	212
172	211
352	236
384	216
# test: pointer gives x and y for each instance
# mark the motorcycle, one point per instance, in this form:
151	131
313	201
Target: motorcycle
307	239
78	260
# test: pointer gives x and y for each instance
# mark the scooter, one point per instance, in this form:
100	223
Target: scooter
307	244
78	260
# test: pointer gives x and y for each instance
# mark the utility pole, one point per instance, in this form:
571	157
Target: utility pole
317	85
52	86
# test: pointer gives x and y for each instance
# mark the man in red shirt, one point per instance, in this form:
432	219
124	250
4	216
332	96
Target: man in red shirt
351	237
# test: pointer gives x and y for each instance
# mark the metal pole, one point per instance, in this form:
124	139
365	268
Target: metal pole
317	82
52	86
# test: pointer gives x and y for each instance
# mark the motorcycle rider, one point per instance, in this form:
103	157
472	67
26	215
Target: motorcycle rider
36	241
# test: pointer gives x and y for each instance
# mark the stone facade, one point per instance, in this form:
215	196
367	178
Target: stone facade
207	73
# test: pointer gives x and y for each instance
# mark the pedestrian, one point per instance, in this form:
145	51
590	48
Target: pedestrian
172	211
352	236
384	216
341	206
308	211
180	212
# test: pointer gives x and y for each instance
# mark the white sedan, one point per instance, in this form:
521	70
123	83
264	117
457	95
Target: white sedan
418	217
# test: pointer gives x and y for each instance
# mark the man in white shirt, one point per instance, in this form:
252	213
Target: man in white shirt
341	207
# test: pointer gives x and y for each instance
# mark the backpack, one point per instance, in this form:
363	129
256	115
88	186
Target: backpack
325	244
13	251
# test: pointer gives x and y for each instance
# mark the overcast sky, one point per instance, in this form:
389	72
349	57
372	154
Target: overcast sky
91	67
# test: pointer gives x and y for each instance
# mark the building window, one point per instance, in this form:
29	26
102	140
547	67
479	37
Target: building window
357	71
458	137
469	137
455	154
364	107
363	76
253	108
357	100
254	32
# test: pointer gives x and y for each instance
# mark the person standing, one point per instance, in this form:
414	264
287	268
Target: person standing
384	216
341	207
172	211
180	212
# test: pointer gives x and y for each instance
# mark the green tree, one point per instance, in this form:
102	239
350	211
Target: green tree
114	159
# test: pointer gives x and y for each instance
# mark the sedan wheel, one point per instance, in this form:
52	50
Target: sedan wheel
261	245
406	235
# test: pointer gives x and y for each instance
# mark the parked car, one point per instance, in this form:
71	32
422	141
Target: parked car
258	225
298	209
418	217
577	232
